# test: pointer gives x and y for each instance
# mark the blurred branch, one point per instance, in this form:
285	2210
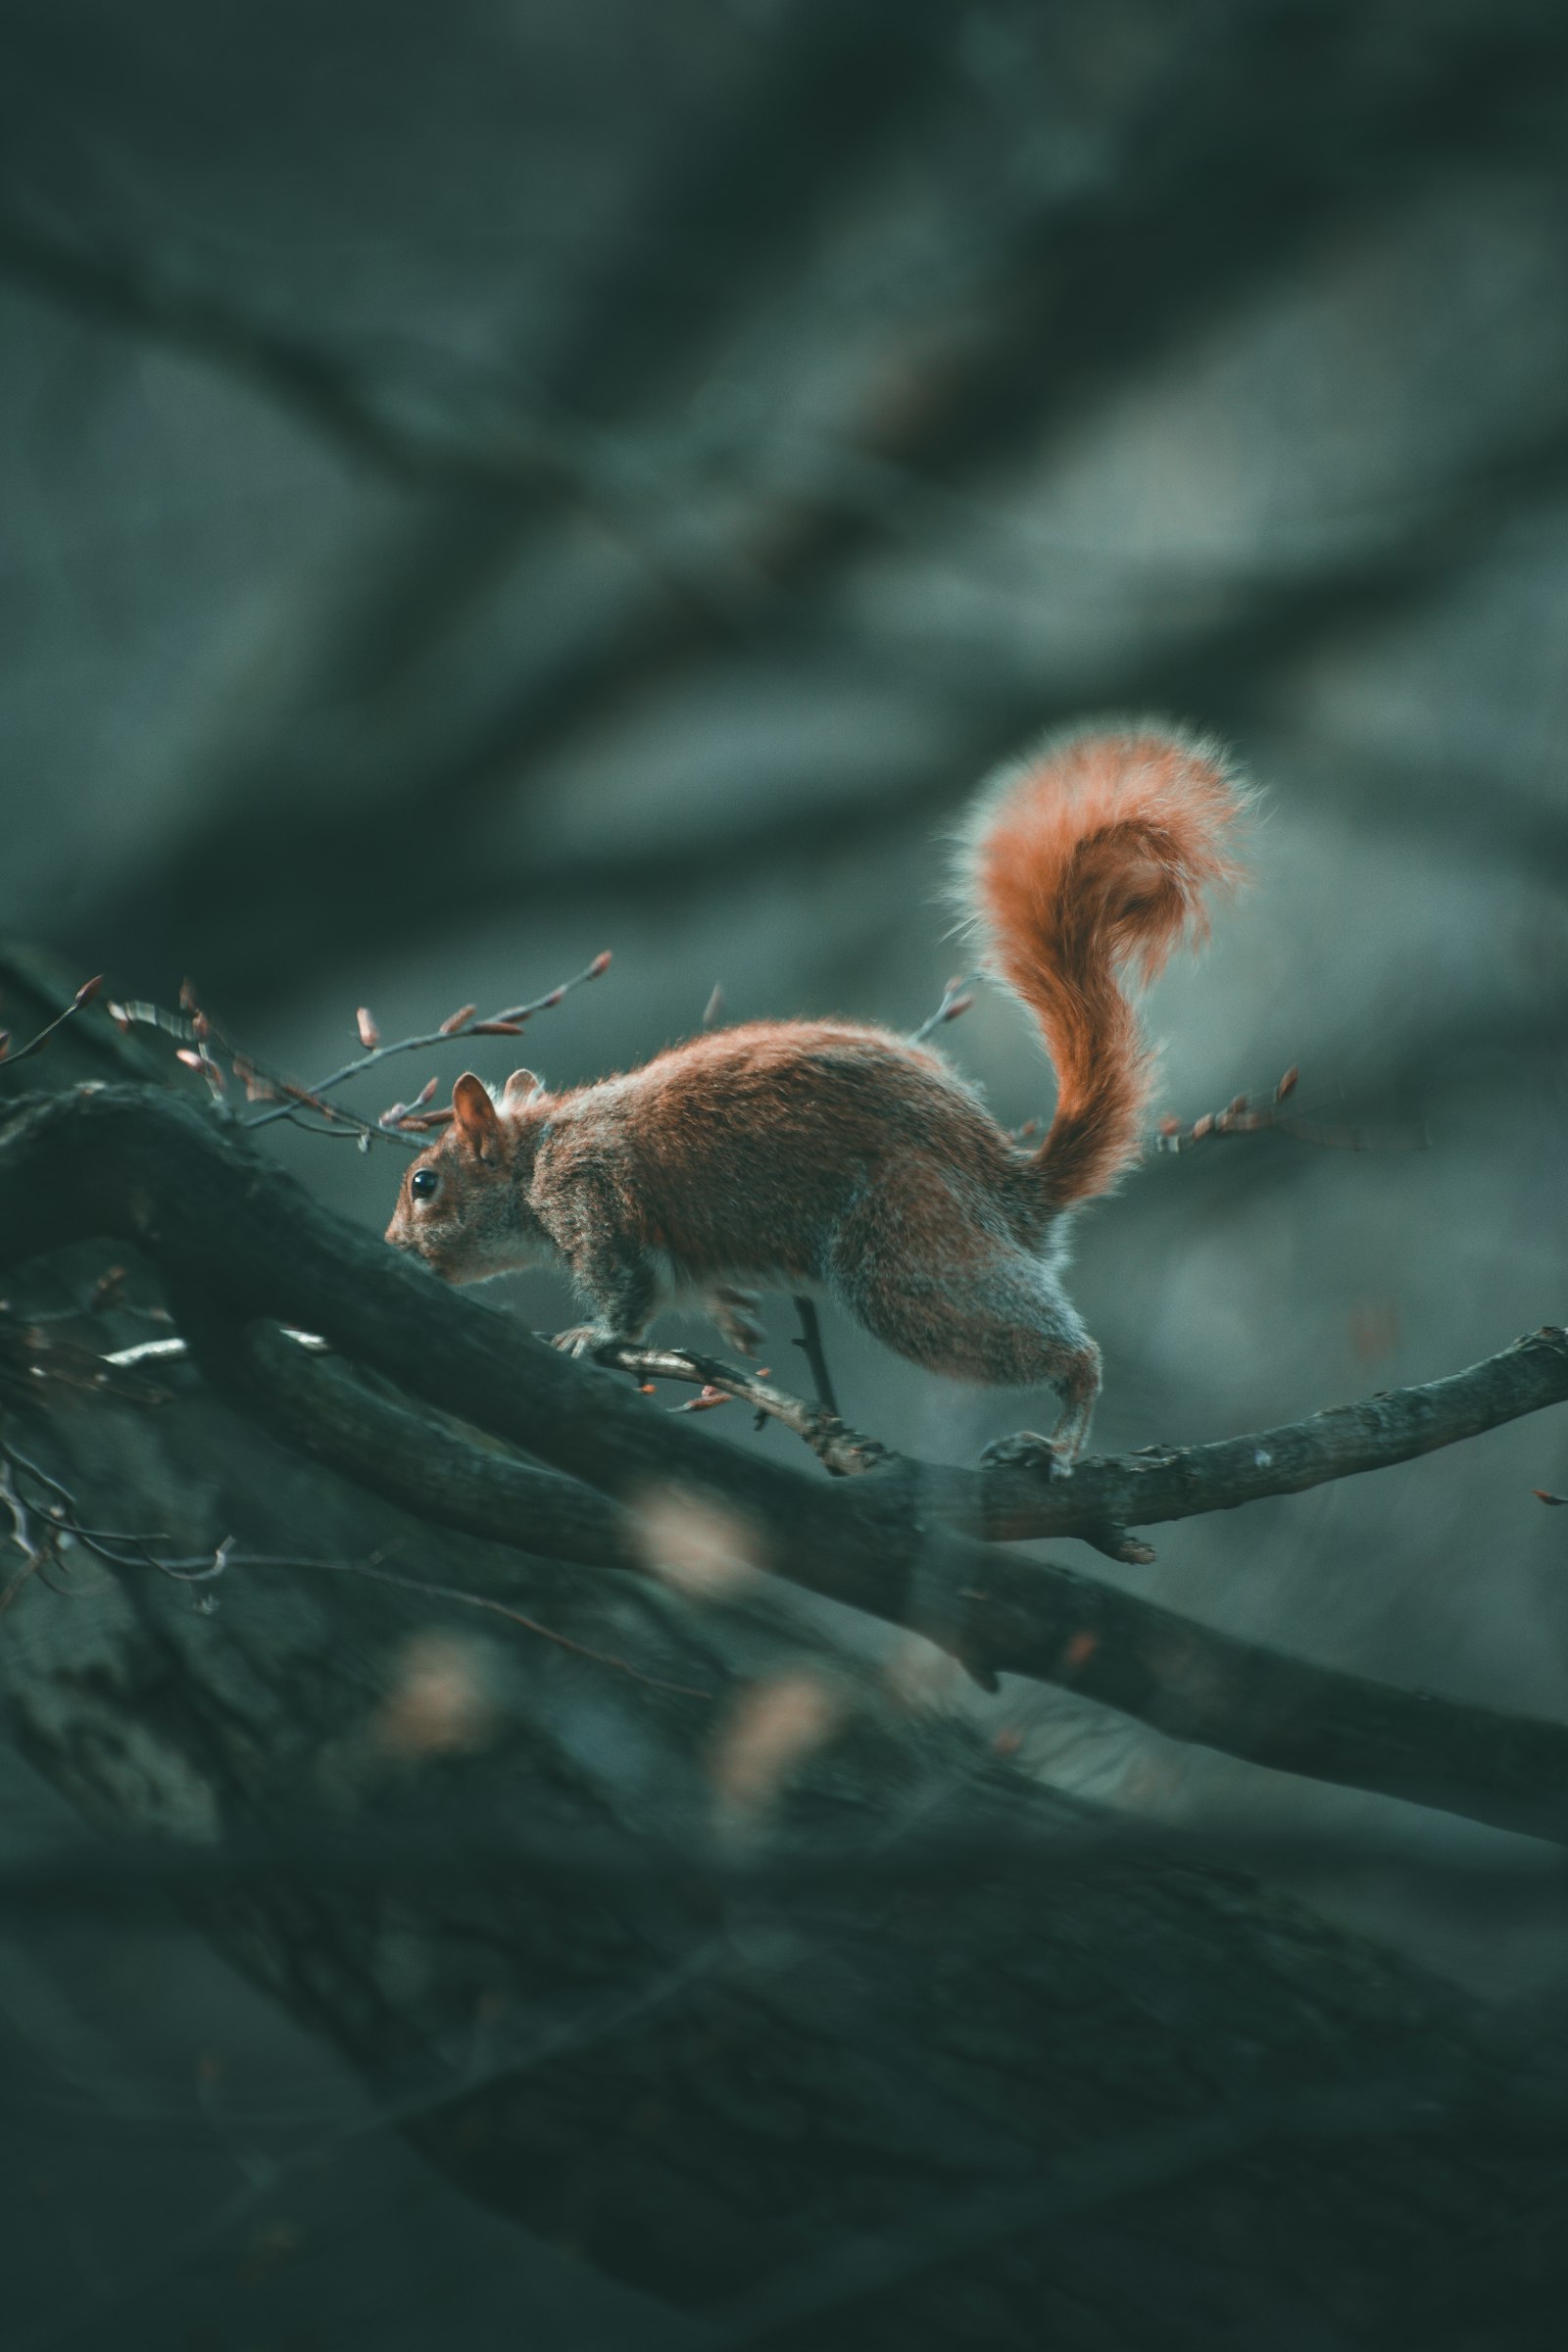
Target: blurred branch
362	417
238	1240
45	1528
1230	669
1227	171
1056	1847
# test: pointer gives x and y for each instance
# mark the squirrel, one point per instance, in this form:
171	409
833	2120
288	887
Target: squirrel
836	1153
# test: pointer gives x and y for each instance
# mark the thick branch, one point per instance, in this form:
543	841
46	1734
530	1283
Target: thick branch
411	1458
222	1224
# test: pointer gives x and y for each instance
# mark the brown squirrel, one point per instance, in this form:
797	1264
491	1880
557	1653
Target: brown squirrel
789	1154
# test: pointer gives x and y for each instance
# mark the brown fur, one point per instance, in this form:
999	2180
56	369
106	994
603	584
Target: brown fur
1089	856
834	1153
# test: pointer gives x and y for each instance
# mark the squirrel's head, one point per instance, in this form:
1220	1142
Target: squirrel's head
462	1207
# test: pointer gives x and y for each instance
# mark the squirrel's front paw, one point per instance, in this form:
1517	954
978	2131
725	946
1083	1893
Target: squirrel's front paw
581	1340
1029	1451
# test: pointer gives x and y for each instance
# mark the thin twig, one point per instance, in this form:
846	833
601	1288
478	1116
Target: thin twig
810	1345
196	1032
842	1449
1242	1115
498	1608
465	1023
955	1002
130	1551
36	1045
32	1555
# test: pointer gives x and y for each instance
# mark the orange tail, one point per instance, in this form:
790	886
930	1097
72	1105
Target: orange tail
1091	854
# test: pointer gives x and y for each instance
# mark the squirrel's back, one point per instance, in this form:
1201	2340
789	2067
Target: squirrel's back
756	1140
1088	857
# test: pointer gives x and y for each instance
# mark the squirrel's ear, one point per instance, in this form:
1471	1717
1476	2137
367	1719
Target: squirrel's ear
475	1116
519	1087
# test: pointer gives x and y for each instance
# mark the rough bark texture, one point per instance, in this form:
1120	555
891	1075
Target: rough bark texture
237	1242
1050	2096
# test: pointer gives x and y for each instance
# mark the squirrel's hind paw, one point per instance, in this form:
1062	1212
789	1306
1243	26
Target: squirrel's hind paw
1030	1452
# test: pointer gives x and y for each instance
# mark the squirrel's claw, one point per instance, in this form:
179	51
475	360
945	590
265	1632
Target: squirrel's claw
581	1340
1028	1451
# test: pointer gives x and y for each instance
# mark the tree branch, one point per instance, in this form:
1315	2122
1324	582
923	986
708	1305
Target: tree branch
1108	1493
840	1450
322	387
413	1458
225	1227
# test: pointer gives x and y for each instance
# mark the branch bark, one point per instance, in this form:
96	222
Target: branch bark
240	1244
964	2092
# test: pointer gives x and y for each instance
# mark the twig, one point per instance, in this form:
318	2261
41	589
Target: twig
498	1608
196	1031
32	1555
130	1551
463	1023
843	1450
810	1343
37	1363
954	1004
36	1045
1243	1116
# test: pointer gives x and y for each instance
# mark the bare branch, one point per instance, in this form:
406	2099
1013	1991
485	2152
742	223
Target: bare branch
196	1033
842	1449
509	1023
810	1345
36	1045
33	1551
1171	1482
237	1237
43	1531
1242	1115
323	388
1104	1494
955	1002
416	1459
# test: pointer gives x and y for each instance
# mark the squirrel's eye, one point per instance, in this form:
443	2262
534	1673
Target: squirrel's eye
422	1183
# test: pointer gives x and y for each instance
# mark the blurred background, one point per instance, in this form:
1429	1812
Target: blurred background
487	485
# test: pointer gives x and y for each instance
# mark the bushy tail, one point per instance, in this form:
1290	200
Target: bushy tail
1086	858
